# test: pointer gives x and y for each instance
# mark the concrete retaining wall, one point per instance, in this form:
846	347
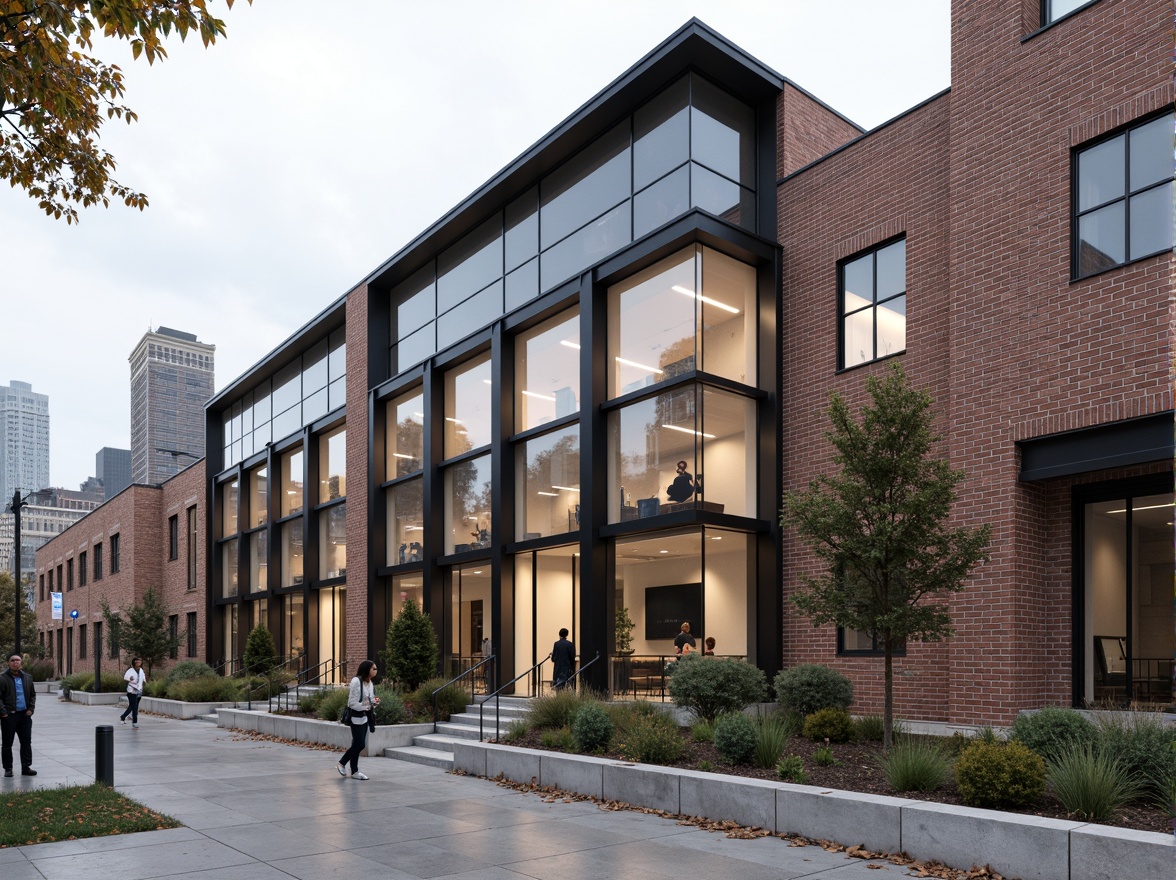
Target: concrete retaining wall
180	709
1025	847
329	733
106	698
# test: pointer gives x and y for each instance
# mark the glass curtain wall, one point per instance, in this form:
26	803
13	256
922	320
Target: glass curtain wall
468	620
402	478
332	633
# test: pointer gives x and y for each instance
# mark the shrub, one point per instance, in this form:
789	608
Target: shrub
1053	730
703	731
261	654
79	681
652	739
834	725
915	763
712	686
205	689
310	701
555	708
155	689
410	648
869	728
735	737
516	730
1000	775
40	670
771	735
391	709
331	706
1143	744
824	757
560	739
451	700
112	682
810	687
592	729
186	669
1092	785
791	769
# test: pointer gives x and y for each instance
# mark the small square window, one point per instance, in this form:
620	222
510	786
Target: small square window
1122	198
855	642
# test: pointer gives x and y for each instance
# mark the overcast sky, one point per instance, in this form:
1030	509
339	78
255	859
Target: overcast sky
289	160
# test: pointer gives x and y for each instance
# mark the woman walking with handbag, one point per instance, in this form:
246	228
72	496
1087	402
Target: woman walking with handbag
135	678
361	700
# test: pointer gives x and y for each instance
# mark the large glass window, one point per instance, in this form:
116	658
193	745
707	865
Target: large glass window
469	616
873	305
292	479
547	599
404	435
1123	197
332	465
333	542
467	505
258	561
688	448
547	372
258	481
1055	9
695	307
1127	576
229	569
229	509
548	492
405	522
697	576
467	407
291	532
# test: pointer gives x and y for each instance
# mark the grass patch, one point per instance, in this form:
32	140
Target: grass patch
74	812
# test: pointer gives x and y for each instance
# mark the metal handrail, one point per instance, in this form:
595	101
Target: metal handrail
576	674
268	675
496	696
456	679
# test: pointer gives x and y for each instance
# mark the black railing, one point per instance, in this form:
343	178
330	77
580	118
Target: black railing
496	697
572	678
472	682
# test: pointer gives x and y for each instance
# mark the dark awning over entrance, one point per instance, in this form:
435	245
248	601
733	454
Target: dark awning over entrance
1135	441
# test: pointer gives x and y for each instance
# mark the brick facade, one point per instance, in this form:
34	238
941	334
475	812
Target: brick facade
979	181
139	517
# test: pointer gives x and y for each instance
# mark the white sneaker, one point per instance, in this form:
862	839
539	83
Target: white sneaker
339	767
122	721
358	775
135	726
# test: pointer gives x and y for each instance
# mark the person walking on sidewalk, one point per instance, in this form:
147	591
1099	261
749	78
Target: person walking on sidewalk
17	702
361	701
135	678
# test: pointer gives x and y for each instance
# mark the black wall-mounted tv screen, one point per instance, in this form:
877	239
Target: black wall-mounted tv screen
667	608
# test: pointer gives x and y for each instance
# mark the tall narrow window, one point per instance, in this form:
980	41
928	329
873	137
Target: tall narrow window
69	574
97	562
82	641
873	305
114	554
191	633
192	549
173	537
1122	199
173	632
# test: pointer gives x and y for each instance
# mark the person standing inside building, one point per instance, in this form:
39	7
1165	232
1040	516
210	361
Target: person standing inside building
709	647
563	658
684	638
135	678
17	702
361	701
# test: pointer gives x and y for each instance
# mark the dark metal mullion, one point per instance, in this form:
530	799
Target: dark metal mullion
595	565
1128	595
501	477
433	501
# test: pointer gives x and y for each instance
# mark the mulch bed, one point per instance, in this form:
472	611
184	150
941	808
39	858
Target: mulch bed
858	770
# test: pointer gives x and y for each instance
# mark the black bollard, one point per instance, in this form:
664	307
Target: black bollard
104	754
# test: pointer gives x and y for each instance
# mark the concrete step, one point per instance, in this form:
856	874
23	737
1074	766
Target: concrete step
469	731
442	742
419	755
210	718
471	719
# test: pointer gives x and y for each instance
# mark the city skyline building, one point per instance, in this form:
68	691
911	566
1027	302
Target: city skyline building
112	467
172	377
24	440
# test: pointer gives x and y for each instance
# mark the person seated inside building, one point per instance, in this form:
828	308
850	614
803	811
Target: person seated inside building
683	486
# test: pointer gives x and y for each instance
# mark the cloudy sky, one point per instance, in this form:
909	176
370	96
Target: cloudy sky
293	157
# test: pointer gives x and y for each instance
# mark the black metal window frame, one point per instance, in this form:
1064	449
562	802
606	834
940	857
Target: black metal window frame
115	563
98	561
871	252
82	641
192	548
1128	194
874	651
83	571
173	538
1047	15
191	626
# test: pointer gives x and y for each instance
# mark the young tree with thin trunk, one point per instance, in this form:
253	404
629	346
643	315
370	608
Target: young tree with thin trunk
143	631
880	527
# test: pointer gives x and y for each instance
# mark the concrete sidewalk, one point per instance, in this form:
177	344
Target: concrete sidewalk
256	810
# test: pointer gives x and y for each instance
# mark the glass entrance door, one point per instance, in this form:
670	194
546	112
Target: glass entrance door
1128	561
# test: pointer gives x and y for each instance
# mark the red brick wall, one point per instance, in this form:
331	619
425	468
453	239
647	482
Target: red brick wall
1010	349
184	491
359	478
138	516
806	130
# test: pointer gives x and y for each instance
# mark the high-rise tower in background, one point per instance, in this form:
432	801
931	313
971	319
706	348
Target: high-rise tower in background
171	379
113	469
24	440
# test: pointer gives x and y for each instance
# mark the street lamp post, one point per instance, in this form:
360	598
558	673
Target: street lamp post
18	504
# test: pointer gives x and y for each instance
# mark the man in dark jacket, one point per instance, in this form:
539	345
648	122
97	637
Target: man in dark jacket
17	701
563	658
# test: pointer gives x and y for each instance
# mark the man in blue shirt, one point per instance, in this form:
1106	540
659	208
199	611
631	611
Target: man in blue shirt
17	701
